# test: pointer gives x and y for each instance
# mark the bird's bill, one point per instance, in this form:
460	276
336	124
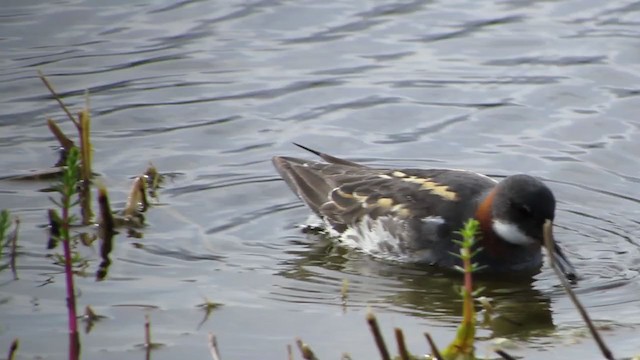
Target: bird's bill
557	254
563	263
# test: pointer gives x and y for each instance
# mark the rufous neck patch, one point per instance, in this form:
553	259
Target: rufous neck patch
488	239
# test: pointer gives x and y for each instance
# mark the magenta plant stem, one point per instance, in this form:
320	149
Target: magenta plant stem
74	339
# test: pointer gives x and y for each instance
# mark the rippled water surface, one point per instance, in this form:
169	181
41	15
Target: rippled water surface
209	91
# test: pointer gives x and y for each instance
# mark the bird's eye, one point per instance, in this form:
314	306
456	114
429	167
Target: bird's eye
522	209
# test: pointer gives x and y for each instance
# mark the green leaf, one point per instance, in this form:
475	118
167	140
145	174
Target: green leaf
478	291
477	251
56	202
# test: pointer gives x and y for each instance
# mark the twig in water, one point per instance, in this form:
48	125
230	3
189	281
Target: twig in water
402	347
377	336
64	141
504	355
137	200
305	350
84	128
344	293
548	241
147	337
90	317
56	96
14	249
213	347
434	348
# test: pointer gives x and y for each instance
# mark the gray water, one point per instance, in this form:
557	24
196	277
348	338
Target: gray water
209	91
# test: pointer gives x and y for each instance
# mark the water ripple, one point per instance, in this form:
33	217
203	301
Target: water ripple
213	90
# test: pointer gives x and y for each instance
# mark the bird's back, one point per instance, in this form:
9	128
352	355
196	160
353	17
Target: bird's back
407	213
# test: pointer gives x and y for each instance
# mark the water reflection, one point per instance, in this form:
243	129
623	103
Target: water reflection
521	310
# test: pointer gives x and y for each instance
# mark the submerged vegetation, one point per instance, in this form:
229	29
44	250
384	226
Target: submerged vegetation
73	176
5	224
9	239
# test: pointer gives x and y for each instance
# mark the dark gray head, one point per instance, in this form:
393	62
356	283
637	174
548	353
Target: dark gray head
521	206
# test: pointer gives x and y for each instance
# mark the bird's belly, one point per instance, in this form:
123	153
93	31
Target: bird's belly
387	237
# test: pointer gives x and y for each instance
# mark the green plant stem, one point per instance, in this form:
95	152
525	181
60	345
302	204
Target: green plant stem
468	313
462	346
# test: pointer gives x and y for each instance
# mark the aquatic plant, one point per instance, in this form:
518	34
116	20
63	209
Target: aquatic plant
462	346
305	350
9	239
13	349
208	307
90	318
147	337
215	354
148	345
344	293
137	201
5	223
154	180
105	233
68	190
83	126
74	170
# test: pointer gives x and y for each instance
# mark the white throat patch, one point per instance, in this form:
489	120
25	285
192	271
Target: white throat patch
511	233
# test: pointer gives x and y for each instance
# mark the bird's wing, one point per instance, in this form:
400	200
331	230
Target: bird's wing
343	194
